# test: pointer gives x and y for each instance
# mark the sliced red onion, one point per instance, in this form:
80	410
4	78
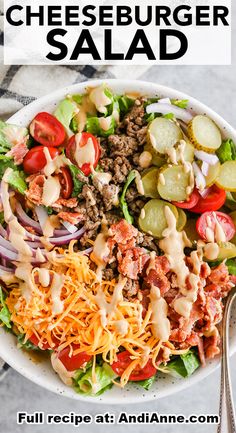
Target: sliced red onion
87	251
3	232
7	244
205	168
5	269
35	244
26	220
70	227
199	178
205	192
206	157
66	239
179	113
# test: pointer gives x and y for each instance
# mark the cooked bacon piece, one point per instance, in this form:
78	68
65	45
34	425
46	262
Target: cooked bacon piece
19	151
71	217
156	274
219	275
213	309
233	279
211	346
122	232
201	352
132	262
70	203
35	191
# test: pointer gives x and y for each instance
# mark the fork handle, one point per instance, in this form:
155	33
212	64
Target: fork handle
226	408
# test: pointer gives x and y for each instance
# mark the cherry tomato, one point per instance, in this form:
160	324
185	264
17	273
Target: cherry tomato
35	159
66	182
47	130
71	148
190	203
138	373
213	201
73	362
208	219
34	340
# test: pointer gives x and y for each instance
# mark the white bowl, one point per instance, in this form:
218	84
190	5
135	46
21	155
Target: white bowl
42	373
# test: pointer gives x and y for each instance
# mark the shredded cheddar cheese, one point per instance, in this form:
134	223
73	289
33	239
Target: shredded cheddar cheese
80	321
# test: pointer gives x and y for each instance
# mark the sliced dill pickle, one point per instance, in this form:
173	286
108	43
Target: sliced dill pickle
173	182
149	180
182	219
190	230
226	178
152	218
163	134
204	133
213	173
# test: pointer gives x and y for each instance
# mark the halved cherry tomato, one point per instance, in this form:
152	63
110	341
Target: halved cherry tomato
190	203
138	373
47	130
34	340
71	148
223	219
66	182
213	201
73	362
35	159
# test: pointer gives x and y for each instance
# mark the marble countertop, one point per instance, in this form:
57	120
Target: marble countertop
215	86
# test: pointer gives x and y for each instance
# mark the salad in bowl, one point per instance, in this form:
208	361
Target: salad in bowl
117	237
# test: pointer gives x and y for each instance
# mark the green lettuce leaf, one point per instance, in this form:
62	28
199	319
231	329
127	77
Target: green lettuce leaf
83	381
6	162
65	112
9	135
125	103
181	103
5	315
78	185
17	180
123	202
2	220
93	125
147	383
227	151
231	265
184	365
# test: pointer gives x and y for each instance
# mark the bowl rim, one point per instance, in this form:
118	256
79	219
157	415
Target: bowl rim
148	87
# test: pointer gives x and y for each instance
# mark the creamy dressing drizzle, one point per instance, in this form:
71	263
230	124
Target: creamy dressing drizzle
217	233
145	159
162	179
24	272
54	164
139	183
101	250
56	286
51	191
16	231
100	99
105	122
84	154
106	308
160	322
121	326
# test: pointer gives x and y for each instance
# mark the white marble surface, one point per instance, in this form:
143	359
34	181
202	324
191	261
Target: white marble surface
215	86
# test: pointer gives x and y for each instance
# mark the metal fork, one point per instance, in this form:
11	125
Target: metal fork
226	408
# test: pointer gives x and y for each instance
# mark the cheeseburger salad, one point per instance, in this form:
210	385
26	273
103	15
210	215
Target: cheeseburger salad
117	237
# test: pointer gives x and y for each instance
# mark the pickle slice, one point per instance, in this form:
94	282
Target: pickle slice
173	182
213	173
182	219
163	134
149	180
226	178
152	218
204	133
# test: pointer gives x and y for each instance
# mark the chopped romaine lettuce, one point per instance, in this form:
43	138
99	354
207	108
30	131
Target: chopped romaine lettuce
227	151
77	98
65	112
6	162
78	185
123	202
83	381
102	98
183	365
181	103
169	116
101	126
5	315
10	135
16	179
125	103
147	383
74	125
